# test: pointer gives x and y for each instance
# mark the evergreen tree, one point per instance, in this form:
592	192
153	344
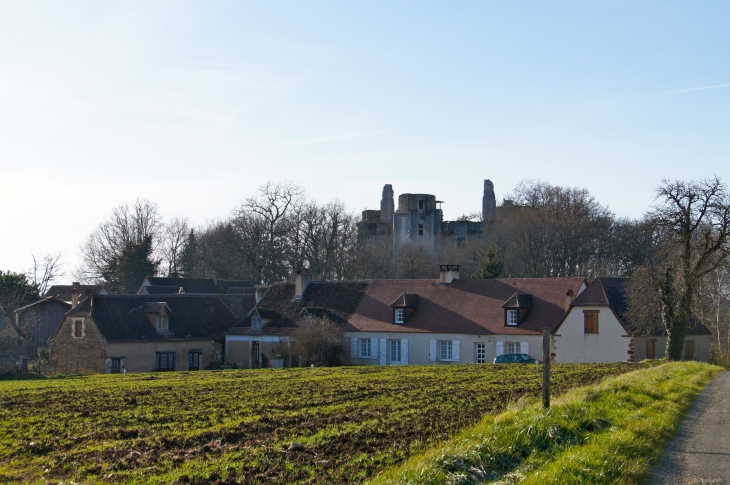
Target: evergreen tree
490	266
125	272
16	291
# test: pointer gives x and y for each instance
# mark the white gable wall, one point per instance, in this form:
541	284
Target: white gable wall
572	344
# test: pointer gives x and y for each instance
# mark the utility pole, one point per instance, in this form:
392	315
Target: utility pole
546	367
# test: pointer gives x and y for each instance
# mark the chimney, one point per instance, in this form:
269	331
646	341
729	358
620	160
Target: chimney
75	294
568	299
449	273
304	276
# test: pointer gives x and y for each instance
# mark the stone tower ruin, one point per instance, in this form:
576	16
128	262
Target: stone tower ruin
489	202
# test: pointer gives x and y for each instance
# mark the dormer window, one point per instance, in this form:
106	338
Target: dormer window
400	315
516	309
162	323
403	307
158	313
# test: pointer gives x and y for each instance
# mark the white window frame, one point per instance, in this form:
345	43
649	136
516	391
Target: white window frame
162	323
516	346
400	315
395	352
480	353
512	317
446	351
366	350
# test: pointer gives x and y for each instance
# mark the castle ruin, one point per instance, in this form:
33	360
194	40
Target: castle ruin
419	220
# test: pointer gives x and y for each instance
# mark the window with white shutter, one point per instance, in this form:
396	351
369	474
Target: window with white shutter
365	349
353	348
446	351
456	345
432	351
374	348
525	348
500	348
404	351
383	352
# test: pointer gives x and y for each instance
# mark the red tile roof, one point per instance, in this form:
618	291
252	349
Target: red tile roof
465	306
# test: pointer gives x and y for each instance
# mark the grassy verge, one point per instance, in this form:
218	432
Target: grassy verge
607	433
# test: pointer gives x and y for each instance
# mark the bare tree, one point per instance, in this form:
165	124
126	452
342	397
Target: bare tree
692	225
415	263
175	235
319	341
46	270
126	225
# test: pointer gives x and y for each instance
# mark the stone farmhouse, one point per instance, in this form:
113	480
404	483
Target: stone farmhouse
597	328
140	333
419	219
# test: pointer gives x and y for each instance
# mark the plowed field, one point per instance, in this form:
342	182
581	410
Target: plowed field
239	426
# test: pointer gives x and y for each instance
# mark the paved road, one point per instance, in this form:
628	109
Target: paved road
700	452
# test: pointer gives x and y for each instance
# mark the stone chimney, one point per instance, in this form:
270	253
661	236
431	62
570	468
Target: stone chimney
304	276
568	299
387	204
75	294
489	202
449	273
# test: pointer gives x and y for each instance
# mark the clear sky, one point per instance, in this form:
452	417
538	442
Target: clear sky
195	104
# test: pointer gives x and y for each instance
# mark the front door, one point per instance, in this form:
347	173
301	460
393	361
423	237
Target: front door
481	357
256	354
689	350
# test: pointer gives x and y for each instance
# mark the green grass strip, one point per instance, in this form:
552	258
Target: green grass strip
607	433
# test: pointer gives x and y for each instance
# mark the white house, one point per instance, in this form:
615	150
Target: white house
446	321
597	329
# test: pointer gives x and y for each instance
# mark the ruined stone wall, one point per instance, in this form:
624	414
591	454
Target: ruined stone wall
72	355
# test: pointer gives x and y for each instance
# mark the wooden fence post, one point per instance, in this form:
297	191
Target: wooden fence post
546	367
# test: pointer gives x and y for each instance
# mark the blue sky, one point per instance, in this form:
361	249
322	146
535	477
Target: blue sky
195	104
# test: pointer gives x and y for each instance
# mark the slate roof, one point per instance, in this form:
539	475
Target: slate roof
239	304
194	285
45	300
122	317
63	292
465	306
337	300
611	292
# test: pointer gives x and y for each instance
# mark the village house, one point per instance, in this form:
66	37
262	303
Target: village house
11	344
597	328
276	317
446	321
140	333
